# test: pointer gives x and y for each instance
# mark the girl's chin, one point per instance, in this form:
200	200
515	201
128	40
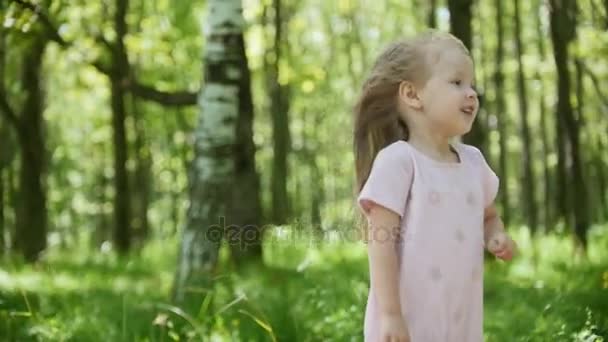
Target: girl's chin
463	126
464	131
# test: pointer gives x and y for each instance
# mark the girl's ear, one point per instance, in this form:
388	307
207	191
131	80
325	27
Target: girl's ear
409	95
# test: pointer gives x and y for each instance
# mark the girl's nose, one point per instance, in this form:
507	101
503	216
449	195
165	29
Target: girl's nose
471	93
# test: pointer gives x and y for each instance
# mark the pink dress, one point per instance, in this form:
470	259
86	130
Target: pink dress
440	253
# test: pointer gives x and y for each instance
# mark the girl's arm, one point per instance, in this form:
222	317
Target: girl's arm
496	240
384	226
492	224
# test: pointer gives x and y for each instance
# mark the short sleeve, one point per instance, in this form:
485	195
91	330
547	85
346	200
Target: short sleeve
490	181
389	180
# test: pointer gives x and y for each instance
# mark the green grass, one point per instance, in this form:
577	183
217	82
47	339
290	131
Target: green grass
304	293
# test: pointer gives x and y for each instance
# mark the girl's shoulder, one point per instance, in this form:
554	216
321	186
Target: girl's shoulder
466	148
395	154
470	152
400	149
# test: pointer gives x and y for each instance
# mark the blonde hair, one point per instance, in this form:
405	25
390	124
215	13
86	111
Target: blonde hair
377	120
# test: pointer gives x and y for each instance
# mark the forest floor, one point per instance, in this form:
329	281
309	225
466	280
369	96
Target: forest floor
305	292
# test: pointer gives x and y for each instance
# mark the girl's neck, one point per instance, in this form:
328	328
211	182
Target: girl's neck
435	146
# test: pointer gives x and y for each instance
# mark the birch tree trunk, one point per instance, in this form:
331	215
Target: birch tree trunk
213	169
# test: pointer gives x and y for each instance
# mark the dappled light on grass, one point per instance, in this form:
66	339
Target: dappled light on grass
306	291
558	298
288	247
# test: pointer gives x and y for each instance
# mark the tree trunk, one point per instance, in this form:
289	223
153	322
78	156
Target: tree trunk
460	20
2	222
501	114
460	26
9	127
13	203
580	93
122	231
245	219
4	147
317	188
7	155
279	108
606	14
547	177
601	178
223	164
431	19
317	193
563	193
142	176
528	172
118	79
103	222
562	28
598	192
31	220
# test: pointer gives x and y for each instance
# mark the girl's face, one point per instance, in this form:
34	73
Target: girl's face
449	99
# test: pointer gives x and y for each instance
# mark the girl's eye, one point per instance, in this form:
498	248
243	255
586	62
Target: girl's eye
456	82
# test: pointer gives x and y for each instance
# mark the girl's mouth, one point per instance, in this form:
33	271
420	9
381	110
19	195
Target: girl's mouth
469	110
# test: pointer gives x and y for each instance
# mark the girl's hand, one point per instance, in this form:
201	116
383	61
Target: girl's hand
502	246
393	329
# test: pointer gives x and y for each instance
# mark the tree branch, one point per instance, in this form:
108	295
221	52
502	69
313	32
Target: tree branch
52	30
178	98
98	37
101	67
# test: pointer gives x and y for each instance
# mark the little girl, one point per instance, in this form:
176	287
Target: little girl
429	201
